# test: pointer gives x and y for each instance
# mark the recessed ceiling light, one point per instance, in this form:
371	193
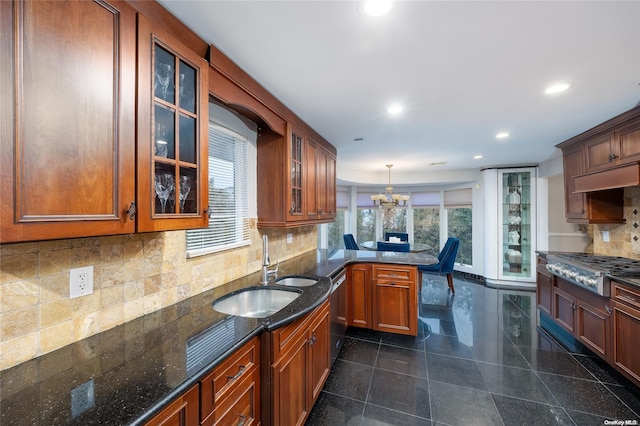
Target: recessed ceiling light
503	135
477	157
557	88
377	7
395	109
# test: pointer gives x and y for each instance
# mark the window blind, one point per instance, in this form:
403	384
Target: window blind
458	198
228	195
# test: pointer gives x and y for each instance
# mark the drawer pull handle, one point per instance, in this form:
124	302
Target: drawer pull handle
243	419
631	298
238	374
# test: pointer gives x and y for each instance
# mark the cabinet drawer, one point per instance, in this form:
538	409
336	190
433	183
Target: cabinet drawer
241	405
624	294
222	380
394	272
285	337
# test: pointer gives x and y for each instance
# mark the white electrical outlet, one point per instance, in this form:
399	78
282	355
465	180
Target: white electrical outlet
82	398
289	238
80	281
605	236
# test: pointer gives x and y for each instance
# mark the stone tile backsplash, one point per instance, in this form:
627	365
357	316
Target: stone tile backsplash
624	239
133	275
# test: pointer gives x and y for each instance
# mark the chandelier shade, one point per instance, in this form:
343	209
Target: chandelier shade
389	199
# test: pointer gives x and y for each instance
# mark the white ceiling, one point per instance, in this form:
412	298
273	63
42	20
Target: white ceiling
464	70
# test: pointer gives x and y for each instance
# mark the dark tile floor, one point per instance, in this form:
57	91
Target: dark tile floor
479	359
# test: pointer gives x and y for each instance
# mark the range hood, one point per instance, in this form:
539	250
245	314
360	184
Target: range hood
618	177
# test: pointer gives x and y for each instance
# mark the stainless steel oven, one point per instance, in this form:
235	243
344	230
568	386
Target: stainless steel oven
338	309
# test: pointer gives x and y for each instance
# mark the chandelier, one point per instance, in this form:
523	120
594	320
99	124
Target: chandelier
389	199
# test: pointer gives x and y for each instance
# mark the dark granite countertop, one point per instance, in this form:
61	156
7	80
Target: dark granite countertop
136	368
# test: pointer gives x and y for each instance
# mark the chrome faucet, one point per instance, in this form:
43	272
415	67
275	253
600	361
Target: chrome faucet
266	262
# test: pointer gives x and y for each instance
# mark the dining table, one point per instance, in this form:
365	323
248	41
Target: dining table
413	247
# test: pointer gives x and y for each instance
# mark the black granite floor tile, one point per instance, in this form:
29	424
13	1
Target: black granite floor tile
586	419
380	416
401	360
364	334
404	341
360	351
435	311
515	382
456	371
439	326
503	353
455	405
521	412
333	410
587	396
349	379
599	368
448	345
555	362
630	395
399	392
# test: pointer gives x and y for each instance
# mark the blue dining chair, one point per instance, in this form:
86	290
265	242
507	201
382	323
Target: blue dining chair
402	235
350	242
384	246
446	260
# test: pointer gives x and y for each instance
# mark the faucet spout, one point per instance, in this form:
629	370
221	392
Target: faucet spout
266	262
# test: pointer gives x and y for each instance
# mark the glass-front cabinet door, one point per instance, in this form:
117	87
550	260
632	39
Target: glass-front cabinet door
172	134
296	175
517	224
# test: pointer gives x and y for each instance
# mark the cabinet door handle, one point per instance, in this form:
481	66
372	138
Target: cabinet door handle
243	419
207	212
132	210
574	306
607	308
235	376
312	341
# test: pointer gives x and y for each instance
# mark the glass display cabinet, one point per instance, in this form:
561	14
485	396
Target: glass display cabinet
172	134
516	217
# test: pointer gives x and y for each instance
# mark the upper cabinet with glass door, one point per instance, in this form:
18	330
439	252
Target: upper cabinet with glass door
172	190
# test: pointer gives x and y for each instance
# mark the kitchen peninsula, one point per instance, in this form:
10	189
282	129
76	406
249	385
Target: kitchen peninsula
140	366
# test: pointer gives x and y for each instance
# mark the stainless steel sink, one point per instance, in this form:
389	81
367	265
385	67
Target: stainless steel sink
296	281
256	302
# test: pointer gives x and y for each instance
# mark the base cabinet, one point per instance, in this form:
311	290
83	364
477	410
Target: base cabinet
384	297
625	305
545	282
183	411
395	299
299	361
230	394
359	312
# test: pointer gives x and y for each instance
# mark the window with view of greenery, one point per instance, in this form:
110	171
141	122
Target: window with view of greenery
366	230
335	231
460	226
426	227
394	220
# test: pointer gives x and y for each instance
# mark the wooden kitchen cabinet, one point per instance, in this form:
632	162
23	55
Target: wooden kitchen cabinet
359	281
545	283
172	147
299	363
584	315
625	303
231	392
593	207
598	164
616	148
183	411
68	119
395	299
296	179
